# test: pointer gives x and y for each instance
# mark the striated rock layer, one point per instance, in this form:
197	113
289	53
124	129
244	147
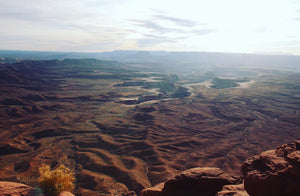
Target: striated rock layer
15	189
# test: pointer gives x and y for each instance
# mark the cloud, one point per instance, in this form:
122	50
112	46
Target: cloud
187	27
155	27
203	31
145	42
19	12
151	40
154	36
177	21
48	13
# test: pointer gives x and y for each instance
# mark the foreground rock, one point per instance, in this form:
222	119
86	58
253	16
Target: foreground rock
153	191
274	172
15	189
233	190
194	182
66	193
19	189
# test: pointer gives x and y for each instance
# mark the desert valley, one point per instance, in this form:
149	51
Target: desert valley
123	125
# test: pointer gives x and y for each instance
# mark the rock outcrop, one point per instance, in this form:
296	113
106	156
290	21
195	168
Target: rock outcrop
274	172
233	190
194	182
66	193
15	189
19	189
153	191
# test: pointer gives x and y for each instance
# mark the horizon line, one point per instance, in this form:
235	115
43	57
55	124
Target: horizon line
84	52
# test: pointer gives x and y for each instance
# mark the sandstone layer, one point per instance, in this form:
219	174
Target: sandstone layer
274	172
196	181
15	189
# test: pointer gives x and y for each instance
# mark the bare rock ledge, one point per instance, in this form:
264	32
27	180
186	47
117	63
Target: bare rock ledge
15	189
194	182
274	172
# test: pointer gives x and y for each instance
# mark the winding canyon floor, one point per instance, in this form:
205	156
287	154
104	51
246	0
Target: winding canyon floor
55	115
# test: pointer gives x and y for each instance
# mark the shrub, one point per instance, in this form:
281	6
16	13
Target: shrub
53	182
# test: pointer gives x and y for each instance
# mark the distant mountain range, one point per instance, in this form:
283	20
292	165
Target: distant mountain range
177	61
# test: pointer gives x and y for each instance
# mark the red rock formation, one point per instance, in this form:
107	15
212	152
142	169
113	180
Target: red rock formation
274	172
66	193
233	190
19	189
153	191
195	181
15	189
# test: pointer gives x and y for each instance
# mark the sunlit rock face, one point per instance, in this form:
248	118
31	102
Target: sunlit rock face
15	189
274	172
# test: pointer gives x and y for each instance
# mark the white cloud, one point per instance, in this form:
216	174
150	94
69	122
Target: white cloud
206	25
177	21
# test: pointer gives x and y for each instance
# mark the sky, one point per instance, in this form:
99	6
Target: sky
243	26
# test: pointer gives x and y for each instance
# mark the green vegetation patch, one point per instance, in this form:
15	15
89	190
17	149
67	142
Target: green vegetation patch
219	83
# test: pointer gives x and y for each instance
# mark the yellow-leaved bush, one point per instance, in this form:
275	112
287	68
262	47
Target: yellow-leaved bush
55	181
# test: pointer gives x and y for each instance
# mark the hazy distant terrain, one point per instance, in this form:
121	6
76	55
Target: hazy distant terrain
170	61
133	119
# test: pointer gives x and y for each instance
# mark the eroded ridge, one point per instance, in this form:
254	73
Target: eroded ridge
70	115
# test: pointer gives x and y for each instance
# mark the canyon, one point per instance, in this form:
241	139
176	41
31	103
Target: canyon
121	134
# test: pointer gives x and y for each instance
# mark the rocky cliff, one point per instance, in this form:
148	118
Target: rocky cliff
19	189
274	172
